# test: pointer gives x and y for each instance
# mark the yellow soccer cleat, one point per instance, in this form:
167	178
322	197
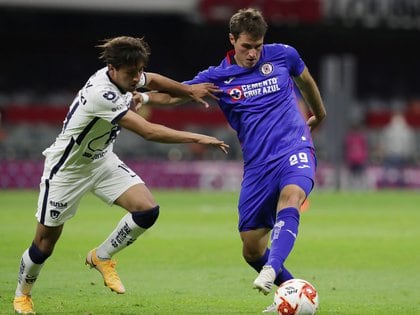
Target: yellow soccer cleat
23	305
107	269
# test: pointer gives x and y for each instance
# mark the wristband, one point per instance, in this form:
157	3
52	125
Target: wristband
145	97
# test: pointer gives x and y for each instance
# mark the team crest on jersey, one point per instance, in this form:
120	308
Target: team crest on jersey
236	93
266	68
54	214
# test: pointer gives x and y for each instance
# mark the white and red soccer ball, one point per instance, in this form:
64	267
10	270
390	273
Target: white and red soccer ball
296	297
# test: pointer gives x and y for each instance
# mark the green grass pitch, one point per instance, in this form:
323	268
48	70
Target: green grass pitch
360	250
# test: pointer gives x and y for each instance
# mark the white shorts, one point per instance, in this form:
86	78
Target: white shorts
59	196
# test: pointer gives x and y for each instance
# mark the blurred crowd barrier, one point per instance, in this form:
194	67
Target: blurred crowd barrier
27	129
214	175
207	175
370	158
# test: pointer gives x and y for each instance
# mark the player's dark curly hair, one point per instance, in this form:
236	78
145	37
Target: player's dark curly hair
124	50
250	21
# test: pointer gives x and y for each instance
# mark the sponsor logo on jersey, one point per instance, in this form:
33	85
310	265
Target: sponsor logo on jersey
264	87
229	80
109	95
95	156
266	68
119	107
236	93
101	143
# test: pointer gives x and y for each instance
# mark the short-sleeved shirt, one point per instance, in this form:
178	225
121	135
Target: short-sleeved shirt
260	104
91	125
82	159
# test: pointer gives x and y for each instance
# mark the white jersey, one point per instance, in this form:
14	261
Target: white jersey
91	125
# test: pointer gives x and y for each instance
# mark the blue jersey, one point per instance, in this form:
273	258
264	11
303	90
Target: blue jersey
259	103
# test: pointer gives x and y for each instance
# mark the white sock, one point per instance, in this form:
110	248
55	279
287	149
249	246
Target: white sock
28	273
126	232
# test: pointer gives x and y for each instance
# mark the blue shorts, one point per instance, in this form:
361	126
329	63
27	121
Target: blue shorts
261	187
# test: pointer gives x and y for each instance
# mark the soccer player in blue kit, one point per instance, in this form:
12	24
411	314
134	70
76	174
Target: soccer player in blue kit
257	97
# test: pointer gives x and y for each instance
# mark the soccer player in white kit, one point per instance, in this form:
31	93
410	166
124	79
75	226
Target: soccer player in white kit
82	160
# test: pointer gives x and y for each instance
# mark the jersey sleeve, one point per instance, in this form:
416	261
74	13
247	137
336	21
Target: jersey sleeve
294	61
201	77
142	81
108	104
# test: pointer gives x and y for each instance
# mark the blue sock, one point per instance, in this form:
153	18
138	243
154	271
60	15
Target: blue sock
283	275
283	237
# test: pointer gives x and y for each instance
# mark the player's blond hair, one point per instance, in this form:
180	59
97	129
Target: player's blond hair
124	50
250	21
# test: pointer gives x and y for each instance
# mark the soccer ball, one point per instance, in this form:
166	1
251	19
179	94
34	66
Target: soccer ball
296	297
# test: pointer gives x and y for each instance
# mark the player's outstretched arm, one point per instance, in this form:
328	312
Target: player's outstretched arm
196	92
312	97
160	133
156	98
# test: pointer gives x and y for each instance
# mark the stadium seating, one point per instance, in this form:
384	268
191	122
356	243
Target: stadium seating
275	11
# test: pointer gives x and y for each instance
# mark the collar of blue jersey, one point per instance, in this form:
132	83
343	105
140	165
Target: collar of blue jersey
230	56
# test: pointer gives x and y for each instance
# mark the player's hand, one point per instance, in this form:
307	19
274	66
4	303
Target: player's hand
136	102
214	142
199	91
312	122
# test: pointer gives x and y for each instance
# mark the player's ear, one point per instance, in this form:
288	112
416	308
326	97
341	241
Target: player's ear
231	38
111	67
111	70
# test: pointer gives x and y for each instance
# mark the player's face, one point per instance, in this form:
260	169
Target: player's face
126	77
247	49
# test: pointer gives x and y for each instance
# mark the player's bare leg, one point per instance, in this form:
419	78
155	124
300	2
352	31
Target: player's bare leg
255	247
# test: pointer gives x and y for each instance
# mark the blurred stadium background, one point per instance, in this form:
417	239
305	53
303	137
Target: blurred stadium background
363	53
